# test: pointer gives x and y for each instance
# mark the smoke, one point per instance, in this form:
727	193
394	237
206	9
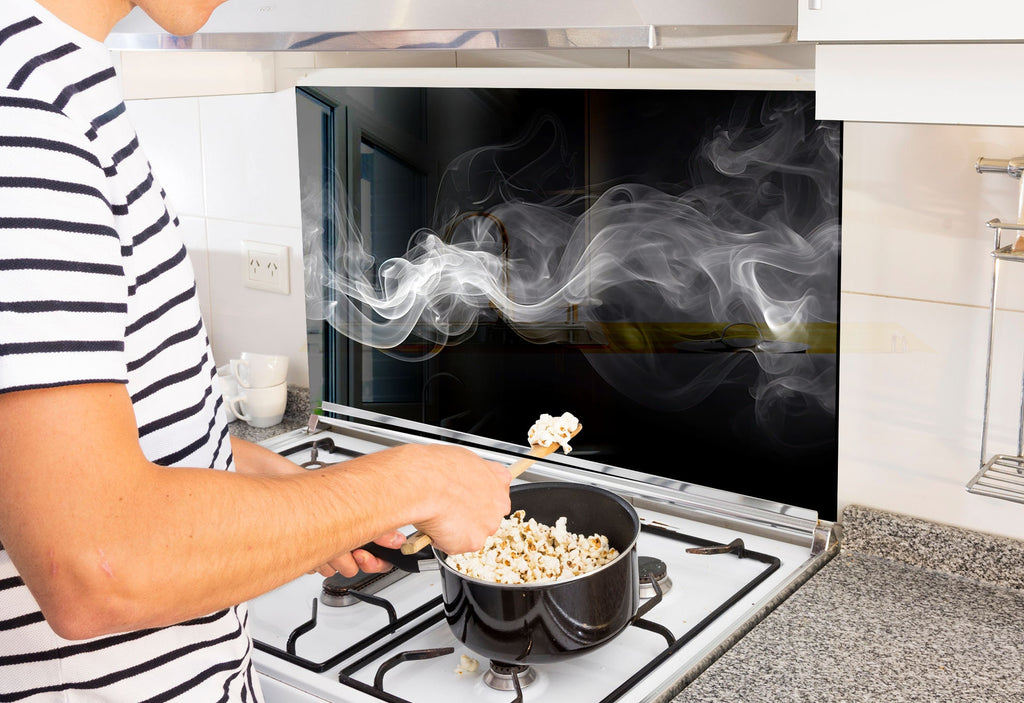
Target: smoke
644	273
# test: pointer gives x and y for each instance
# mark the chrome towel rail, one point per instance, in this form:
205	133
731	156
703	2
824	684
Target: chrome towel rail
1002	475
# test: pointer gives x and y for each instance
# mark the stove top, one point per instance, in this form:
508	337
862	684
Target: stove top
711	563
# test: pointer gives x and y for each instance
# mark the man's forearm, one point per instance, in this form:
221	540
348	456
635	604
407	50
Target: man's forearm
223	538
251	458
107	541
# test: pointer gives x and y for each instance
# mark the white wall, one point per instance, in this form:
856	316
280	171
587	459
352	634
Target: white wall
916	280
916	275
230	167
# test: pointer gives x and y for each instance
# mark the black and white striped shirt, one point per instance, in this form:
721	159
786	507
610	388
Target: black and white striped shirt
95	286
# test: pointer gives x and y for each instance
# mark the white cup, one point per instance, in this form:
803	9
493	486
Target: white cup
260	407
228	387
259	370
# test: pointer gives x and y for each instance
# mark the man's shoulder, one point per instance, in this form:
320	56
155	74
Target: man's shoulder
36	126
29	114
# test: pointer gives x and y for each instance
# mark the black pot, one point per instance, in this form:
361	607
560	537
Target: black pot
543	622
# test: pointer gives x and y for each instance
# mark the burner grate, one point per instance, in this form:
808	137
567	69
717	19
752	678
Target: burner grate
771	563
369	640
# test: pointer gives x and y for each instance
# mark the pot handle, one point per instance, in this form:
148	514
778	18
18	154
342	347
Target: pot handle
414	563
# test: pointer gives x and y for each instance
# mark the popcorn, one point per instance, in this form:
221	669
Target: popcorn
549	430
467	665
525	551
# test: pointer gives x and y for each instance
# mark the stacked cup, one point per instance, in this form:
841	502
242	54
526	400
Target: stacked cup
262	391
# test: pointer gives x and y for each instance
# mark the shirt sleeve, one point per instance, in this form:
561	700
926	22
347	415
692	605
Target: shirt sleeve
63	290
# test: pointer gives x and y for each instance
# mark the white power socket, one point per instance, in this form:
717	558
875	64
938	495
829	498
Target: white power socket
265	266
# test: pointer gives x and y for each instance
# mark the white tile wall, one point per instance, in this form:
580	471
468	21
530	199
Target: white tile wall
910	421
230	167
156	74
244	319
916	276
193	233
914	209
169	133
250	158
916	279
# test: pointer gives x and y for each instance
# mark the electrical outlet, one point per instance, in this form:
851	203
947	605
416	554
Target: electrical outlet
265	266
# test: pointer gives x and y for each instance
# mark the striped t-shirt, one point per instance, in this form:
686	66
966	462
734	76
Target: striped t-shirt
96	286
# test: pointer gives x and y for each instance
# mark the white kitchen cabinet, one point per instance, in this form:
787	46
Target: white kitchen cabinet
932	83
922	61
906	21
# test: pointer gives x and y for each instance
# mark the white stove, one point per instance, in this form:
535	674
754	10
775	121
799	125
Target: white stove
384	637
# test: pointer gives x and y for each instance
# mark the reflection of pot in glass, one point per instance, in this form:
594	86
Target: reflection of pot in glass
747	339
449	238
560	327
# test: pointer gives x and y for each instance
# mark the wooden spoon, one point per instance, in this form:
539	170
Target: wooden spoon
418	540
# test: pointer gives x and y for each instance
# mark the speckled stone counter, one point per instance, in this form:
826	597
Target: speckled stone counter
908	611
296	414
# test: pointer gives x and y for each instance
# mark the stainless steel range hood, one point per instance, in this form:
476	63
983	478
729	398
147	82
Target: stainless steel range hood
358	25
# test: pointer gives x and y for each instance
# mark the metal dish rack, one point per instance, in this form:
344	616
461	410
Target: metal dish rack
1001	475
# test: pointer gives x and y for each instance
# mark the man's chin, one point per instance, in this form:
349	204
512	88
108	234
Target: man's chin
180	19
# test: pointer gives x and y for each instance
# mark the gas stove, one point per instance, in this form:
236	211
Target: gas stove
712	565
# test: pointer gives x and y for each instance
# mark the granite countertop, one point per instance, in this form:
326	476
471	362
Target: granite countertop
909	610
296	415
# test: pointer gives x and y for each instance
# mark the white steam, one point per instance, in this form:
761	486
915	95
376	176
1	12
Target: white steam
753	240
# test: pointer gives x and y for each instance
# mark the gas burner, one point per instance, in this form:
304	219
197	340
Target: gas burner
653	569
340	591
502	677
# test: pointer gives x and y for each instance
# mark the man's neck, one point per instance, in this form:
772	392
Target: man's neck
94	18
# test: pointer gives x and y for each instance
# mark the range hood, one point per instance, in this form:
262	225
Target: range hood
357	25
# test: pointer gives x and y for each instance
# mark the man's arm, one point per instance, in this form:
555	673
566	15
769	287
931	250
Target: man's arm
107	541
250	458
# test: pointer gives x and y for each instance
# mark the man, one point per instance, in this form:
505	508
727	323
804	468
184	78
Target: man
124	556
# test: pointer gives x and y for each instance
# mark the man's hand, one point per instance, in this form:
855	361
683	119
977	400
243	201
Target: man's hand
252	459
465	497
468	496
350	563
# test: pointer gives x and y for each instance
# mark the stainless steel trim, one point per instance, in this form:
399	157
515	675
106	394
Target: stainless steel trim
628	37
826	534
351	25
624	37
996	223
790	523
1012	167
989	348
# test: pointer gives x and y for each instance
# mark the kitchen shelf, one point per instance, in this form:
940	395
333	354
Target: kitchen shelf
1001	475
1008	254
1005	253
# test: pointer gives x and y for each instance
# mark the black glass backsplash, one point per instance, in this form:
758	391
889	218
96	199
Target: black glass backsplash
662	264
